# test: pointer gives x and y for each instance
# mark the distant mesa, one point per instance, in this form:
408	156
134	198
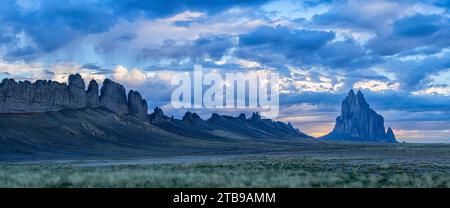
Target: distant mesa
358	122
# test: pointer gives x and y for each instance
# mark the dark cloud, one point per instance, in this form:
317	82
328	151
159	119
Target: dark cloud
273	45
16	53
49	73
282	38
277	46
183	23
424	50
413	74
417	26
410	33
442	3
52	24
358	15
126	37
164	8
315	3
90	66
95	67
205	47
4	39
346	54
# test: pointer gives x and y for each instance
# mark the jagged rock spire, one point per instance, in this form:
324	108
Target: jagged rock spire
191	118
92	96
358	121
157	116
77	93
136	105
390	136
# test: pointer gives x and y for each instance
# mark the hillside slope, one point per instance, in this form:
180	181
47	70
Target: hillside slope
101	133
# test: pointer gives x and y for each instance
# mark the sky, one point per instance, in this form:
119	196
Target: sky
396	52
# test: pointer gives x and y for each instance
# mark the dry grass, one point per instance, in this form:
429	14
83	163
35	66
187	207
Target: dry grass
246	172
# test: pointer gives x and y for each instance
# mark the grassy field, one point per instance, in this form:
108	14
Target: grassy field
274	171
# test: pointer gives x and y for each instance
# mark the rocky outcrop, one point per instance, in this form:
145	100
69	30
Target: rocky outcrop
358	122
274	128
242	117
92	99
41	96
255	126
77	93
390	136
157	116
136	105
192	118
113	97
255	117
47	95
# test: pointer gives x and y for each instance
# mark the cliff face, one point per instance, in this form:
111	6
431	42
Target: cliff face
92	99
113	97
358	122
136	105
46	96
41	96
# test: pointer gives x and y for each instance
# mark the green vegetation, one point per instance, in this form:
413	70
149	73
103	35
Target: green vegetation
244	172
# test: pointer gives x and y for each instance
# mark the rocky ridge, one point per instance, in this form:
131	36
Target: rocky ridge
47	96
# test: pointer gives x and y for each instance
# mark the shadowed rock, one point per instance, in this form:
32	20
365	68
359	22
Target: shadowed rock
92	99
157	116
136	105
77	93
42	95
358	122
192	118
390	136
113	97
242	116
255	126
47	95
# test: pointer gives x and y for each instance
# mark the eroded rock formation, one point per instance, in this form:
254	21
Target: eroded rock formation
136	105
47	95
113	97
92	99
358	122
157	116
41	96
